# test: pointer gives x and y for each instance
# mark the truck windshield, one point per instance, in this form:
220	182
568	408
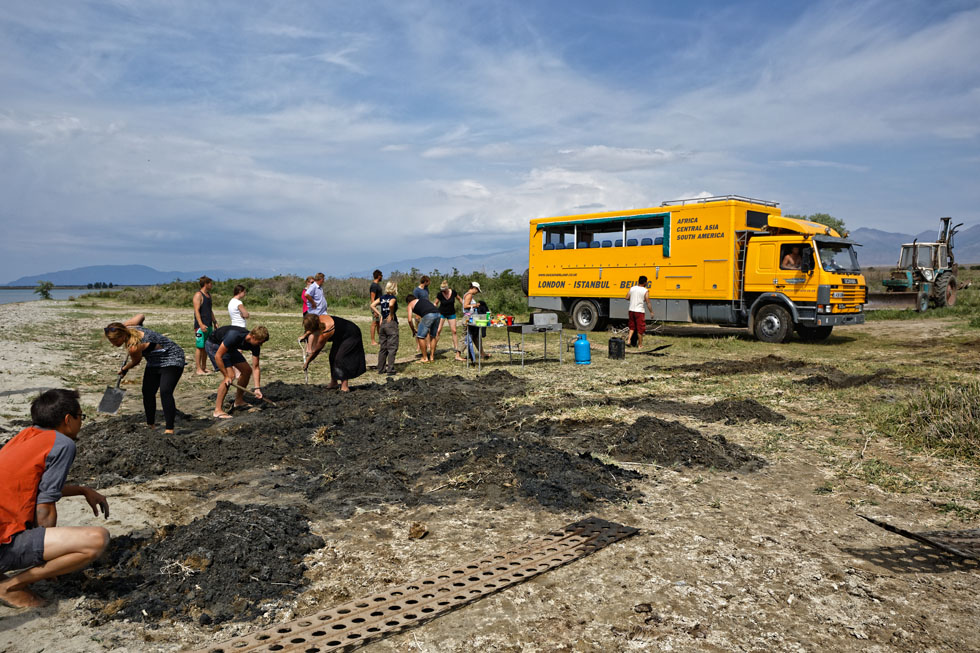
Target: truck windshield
836	257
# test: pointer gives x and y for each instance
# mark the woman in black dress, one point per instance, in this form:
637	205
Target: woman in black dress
346	353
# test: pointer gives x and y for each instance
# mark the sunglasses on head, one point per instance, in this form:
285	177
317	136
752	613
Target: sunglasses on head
111	329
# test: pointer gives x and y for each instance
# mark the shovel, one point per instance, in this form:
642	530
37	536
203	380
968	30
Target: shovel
113	397
305	371
268	401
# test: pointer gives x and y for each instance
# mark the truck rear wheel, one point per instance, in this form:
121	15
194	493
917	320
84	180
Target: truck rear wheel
773	324
813	333
585	316
945	290
525	281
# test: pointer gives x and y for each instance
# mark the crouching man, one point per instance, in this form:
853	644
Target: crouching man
33	467
224	348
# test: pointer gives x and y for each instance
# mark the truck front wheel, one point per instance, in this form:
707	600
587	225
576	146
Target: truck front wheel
585	316
773	324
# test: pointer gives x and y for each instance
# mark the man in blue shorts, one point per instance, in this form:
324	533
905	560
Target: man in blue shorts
33	467
428	323
224	349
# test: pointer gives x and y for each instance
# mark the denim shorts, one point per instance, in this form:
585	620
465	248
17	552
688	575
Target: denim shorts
427	325
25	549
230	359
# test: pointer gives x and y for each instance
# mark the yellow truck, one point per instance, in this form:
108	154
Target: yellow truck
728	260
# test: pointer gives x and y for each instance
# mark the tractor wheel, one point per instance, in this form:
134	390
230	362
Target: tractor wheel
944	292
773	324
922	302
525	280
585	316
813	333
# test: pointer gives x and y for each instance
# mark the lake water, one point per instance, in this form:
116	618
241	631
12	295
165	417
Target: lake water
10	295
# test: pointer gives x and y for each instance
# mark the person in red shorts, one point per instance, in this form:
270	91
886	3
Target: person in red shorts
638	296
33	467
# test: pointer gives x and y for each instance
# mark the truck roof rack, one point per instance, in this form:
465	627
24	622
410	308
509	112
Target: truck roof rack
719	198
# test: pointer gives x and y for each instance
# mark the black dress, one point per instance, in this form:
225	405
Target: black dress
347	352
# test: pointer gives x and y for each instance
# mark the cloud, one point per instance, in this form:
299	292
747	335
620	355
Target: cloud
341	58
616	159
813	163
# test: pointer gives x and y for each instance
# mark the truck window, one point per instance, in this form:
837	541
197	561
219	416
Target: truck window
790	256
643	233
559	238
607	235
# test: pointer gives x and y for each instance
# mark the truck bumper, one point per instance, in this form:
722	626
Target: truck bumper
839	318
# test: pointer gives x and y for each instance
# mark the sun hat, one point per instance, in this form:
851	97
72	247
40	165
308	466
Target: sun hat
475	284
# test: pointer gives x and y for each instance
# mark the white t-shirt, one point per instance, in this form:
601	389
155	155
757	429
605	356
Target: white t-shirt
637	293
234	314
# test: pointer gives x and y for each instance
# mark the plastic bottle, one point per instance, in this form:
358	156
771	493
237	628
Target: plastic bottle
583	350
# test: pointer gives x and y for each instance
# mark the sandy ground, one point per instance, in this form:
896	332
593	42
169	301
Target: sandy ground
725	561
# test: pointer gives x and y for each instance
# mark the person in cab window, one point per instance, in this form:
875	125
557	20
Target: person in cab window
792	259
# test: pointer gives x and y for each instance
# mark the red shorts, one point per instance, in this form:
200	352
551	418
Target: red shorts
638	322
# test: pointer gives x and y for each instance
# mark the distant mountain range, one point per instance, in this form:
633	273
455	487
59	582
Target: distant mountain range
878	248
882	247
119	275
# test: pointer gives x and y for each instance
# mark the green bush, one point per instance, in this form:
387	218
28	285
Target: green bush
944	420
502	291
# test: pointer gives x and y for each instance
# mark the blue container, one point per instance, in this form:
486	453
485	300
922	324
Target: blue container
583	350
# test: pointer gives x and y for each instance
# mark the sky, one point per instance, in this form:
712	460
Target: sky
298	136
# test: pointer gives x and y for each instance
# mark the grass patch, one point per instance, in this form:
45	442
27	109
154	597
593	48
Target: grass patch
962	512
886	476
944	420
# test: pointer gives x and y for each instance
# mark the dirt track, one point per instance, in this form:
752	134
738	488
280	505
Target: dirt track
229	526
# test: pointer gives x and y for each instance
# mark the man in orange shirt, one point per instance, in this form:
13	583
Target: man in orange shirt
33	467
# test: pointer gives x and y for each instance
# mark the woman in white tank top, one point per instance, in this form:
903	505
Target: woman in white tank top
236	309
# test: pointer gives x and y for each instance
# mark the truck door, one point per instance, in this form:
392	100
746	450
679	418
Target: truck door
790	278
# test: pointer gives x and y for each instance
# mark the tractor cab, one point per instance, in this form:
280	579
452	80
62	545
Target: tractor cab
923	258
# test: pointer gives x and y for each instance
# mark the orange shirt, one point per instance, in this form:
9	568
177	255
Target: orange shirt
33	465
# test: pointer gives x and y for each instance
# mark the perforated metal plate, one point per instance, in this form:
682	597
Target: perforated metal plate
374	617
965	544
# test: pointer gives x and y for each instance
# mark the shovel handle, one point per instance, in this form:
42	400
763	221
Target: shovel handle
119	377
235	385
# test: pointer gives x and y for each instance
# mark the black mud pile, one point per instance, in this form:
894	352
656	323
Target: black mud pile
770	364
736	411
552	477
729	411
839	380
390	442
232	564
654	440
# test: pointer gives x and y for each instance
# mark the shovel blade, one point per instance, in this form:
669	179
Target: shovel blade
111	400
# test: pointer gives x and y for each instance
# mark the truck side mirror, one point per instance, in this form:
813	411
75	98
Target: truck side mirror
806	261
